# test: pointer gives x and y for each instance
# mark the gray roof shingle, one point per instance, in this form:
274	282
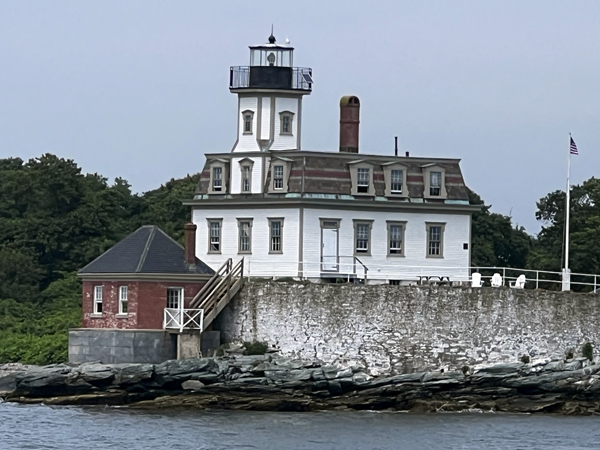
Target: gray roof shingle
147	250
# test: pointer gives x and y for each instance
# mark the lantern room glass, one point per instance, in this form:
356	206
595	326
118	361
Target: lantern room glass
271	56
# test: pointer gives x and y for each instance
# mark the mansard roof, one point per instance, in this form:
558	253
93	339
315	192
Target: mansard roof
330	172
148	250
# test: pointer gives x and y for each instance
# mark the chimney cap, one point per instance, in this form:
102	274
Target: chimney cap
349	100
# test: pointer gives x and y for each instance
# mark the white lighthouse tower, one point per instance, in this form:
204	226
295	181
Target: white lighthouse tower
270	92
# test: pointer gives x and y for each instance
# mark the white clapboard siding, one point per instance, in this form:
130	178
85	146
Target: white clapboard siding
247	142
381	266
265	125
260	262
286	141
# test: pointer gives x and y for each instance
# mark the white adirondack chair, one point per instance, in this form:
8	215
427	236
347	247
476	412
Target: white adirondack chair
519	283
496	280
476	280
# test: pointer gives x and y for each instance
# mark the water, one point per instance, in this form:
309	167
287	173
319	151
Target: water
43	427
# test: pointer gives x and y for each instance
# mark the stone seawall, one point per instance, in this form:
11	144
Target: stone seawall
397	329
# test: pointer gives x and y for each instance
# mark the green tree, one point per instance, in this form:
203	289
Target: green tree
163	207
584	229
495	241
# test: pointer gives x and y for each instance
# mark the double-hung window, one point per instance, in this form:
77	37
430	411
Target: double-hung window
98	299
214	229
246	177
286	118
248	117
217	179
276	235
362	237
123	300
396	238
363	179
245	236
435	240
396	181
435	184
277	177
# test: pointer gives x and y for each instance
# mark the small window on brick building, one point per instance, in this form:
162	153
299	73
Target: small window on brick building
174	298
98	299
123	300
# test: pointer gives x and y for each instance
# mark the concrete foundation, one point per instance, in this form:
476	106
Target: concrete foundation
112	346
188	345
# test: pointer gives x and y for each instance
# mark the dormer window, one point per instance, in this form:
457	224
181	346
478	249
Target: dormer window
277	177
361	176
396	181
246	174
248	119
434	178
435	184
279	173
217	179
286	118
363	180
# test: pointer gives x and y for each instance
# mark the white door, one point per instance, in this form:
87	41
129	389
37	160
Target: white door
329	250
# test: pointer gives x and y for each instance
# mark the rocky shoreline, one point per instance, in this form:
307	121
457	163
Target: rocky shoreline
274	383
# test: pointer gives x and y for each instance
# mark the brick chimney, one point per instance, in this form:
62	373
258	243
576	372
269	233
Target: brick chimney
349	120
190	243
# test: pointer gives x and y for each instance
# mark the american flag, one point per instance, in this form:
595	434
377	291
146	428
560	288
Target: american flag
573	148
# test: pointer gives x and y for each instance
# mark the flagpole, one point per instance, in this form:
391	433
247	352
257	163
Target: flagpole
566	275
568	206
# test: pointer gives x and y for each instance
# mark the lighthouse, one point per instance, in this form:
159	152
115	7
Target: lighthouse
270	92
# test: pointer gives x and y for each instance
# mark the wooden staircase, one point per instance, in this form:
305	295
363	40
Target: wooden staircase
217	292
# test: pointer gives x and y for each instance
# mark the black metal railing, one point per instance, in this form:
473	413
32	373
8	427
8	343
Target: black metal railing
270	77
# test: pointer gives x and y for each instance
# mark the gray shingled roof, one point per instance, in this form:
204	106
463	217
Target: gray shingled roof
147	250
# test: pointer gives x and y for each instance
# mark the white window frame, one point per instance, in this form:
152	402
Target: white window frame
241	223
219	222
246	178
275	242
395	251
286	164
388	170
359	225
214	164
362	183
248	118
354	170
427	171
278	180
98	294
283	115
428	251
171	291
123	300
217	179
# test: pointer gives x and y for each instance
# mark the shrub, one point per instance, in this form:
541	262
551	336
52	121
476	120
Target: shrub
525	359
220	351
255	348
465	370
588	351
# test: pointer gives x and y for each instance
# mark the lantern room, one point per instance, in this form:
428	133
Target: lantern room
272	54
271	67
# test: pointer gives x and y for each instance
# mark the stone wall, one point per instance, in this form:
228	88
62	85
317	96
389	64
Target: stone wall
121	346
405	329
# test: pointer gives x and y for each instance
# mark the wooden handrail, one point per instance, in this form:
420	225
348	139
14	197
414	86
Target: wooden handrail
217	292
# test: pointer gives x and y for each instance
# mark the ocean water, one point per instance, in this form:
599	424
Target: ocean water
45	427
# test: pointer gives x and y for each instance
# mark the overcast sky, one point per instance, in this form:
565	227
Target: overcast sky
139	89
